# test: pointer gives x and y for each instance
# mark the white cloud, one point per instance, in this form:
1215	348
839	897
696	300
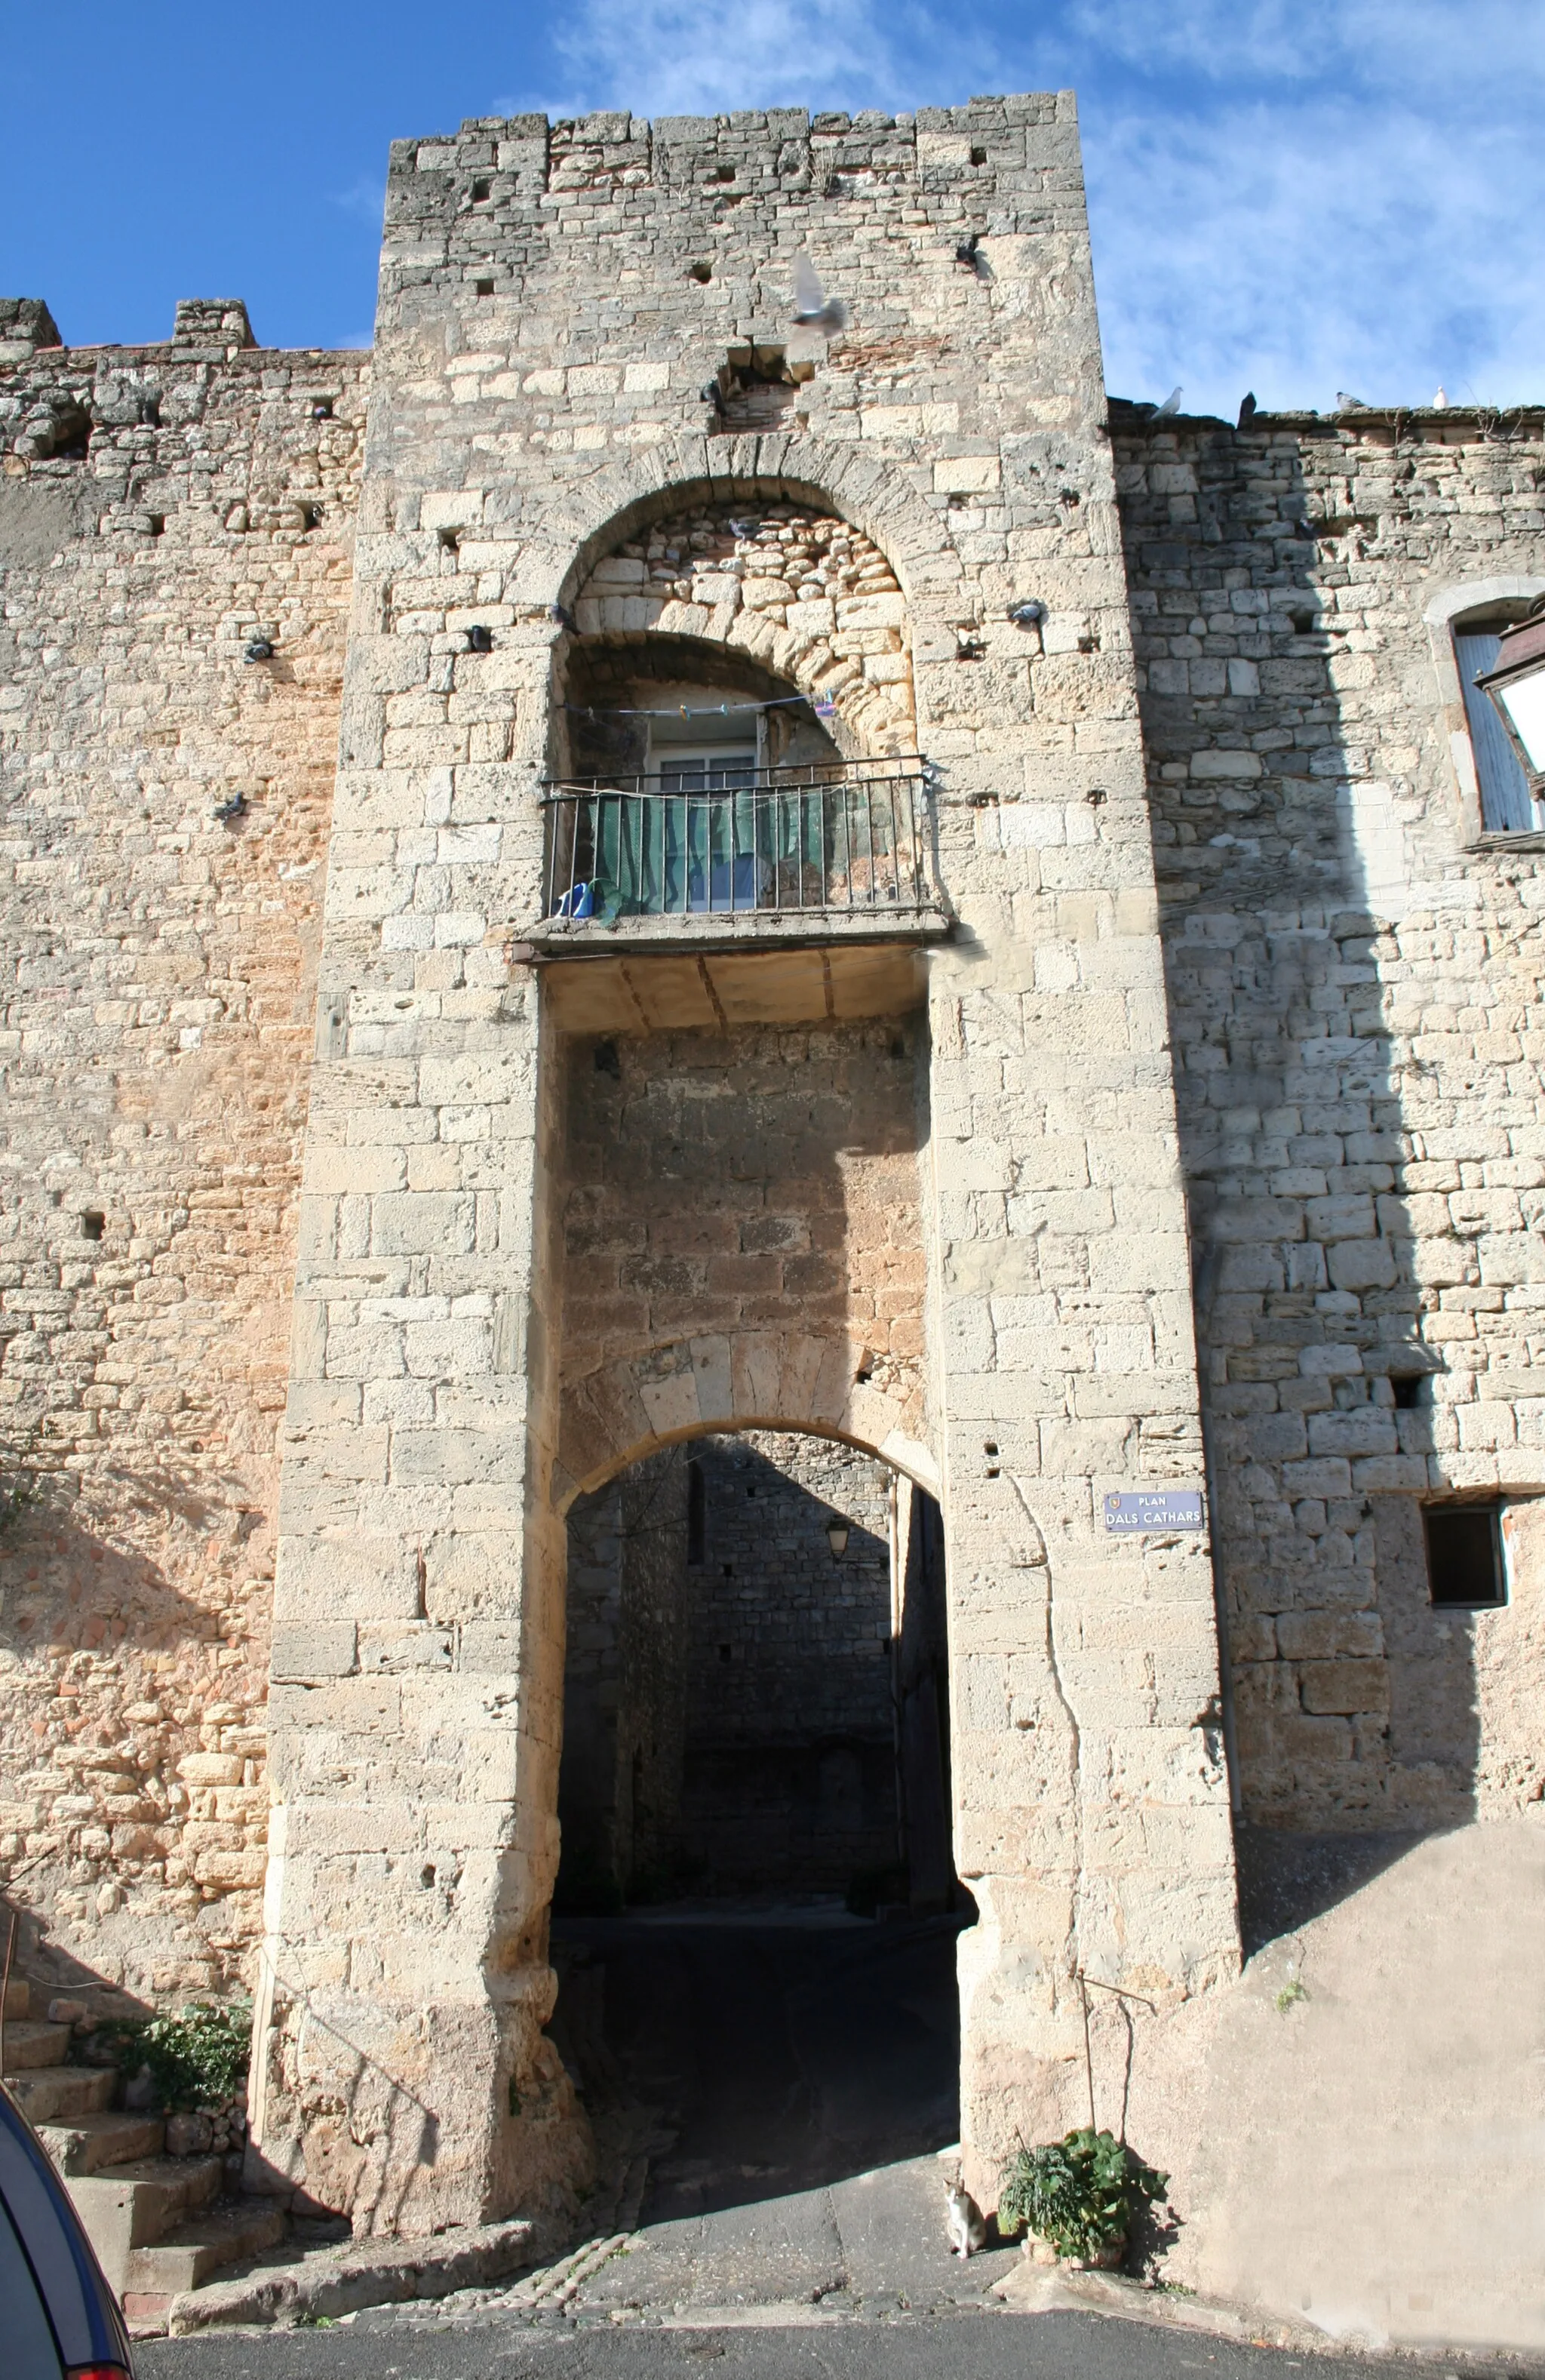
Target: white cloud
1458	50
1348	250
662	58
1295	196
364	200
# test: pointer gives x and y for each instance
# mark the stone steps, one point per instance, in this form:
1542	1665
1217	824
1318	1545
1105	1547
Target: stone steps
29	2045
134	2206
190	2252
107	2138
158	2223
63	2094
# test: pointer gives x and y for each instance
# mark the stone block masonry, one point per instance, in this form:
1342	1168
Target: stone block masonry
790	1740
1354	973
168	807
555	302
1216	1017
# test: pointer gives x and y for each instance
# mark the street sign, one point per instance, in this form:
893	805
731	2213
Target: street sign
1132	1510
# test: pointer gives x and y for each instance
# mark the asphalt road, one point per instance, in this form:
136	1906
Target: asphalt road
974	2345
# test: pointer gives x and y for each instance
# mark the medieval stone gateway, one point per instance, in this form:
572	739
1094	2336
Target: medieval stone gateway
626	883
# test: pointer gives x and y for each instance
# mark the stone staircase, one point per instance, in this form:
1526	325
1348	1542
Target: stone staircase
159	2224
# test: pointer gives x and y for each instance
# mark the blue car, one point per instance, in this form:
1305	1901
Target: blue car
59	2318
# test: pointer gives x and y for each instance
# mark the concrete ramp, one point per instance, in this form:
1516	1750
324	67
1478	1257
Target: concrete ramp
1357	2131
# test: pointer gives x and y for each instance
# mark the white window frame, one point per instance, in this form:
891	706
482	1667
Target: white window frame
1444	610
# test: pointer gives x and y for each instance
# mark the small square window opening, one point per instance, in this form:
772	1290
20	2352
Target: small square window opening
1405	1388
94	1222
1464	1556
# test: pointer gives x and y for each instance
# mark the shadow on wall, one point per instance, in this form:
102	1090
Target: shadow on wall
754	1758
1326	1329
115	1681
69	1590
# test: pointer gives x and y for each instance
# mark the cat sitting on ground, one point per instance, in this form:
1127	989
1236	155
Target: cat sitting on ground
968	2229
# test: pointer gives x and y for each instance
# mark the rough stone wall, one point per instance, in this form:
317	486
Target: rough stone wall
790	1748
761	1178
1354	982
160	507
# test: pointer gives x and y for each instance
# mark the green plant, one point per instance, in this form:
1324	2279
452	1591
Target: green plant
1080	2192
197	2059
1290	1994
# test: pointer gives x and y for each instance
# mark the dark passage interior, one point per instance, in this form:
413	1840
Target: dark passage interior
754	1701
756	1908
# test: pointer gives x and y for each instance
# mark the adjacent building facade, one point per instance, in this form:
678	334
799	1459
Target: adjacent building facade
653	862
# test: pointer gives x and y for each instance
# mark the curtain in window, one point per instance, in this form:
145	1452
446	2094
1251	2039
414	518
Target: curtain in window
712	839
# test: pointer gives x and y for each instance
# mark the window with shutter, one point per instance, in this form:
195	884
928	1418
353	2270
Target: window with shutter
1506	805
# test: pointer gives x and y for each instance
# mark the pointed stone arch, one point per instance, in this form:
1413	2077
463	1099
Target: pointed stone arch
752	1379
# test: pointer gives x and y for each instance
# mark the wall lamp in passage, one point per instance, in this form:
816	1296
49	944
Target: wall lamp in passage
837	1536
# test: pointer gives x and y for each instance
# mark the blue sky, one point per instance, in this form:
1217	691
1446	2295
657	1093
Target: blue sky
1293	196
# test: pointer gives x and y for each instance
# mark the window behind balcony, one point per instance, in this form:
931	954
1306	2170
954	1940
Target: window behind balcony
711	769
1506	807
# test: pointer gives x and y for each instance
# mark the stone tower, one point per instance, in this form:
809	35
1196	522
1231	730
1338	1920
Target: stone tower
811	1075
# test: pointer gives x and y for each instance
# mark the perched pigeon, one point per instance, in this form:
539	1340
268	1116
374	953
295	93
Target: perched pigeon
968	256
1247	409
811	303
1170	406
1440	402
1345	404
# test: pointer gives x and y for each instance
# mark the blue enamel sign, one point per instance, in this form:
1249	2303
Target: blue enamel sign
1135	1509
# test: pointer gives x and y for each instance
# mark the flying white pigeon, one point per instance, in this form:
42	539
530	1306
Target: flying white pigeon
1171	405
811	303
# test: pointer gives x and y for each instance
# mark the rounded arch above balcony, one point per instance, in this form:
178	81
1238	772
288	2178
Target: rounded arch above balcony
679	472
679	475
796	595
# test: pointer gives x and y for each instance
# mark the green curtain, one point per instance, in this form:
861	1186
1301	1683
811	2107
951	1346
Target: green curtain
655	853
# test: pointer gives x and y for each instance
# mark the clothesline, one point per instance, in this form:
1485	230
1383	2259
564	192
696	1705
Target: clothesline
822	705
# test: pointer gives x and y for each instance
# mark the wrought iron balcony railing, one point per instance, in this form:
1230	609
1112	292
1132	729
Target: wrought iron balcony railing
827	839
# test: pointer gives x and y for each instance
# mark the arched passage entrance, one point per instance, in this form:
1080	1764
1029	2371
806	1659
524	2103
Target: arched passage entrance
754	1741
755	1910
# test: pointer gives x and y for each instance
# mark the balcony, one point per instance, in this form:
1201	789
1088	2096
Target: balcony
705	857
